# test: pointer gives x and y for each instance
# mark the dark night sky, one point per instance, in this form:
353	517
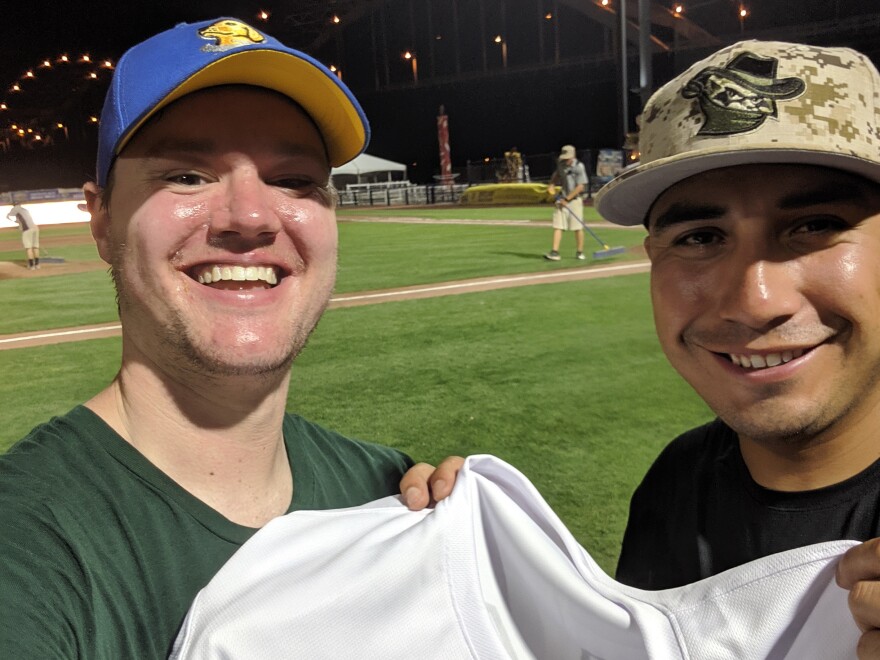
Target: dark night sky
532	105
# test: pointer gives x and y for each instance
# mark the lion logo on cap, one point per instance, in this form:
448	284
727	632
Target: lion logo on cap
230	34
740	96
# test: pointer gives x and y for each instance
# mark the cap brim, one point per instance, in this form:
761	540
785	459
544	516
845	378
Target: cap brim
626	199
338	117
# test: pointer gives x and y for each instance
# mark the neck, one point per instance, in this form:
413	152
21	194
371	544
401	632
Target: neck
800	464
220	439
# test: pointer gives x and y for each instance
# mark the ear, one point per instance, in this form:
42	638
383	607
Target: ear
100	222
648	249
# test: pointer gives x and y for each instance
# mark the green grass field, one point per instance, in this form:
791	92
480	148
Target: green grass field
565	381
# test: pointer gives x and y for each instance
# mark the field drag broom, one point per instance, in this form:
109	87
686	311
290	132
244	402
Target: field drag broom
46	258
606	251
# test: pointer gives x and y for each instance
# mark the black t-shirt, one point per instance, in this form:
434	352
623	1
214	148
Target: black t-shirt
698	512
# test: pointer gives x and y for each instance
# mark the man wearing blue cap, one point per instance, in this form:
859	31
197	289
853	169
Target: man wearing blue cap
214	209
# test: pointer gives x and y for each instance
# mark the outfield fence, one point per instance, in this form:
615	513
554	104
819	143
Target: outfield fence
401	195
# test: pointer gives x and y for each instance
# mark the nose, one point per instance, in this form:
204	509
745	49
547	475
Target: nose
245	210
759	292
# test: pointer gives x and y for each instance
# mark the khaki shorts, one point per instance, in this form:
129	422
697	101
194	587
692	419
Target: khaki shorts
30	238
564	220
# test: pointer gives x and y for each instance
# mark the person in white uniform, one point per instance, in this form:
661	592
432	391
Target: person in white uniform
30	234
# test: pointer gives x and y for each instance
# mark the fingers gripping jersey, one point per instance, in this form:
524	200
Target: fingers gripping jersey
492	573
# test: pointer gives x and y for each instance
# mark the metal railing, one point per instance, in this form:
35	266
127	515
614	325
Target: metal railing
411	195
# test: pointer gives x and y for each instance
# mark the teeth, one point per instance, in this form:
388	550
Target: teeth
764	361
218	273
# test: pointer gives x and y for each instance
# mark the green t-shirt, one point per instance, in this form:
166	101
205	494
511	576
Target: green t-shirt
101	553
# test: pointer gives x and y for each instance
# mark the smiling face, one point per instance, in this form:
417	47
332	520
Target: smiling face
765	281
221	233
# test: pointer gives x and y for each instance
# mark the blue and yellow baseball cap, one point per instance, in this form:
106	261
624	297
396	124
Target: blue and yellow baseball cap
224	51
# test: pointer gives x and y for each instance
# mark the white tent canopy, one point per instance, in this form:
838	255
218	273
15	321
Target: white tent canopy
367	164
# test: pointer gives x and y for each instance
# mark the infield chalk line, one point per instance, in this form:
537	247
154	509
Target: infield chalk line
61	333
484	282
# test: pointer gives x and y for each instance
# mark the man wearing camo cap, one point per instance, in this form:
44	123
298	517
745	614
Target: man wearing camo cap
759	186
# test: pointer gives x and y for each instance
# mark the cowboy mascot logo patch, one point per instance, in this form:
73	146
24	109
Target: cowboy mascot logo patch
229	34
740	96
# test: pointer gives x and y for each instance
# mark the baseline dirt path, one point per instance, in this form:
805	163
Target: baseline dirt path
17	270
62	335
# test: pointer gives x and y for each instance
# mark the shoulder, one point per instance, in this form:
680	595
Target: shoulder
53	474
45	446
45	476
325	440
331	470
331	452
658	549
699	443
687	460
37	491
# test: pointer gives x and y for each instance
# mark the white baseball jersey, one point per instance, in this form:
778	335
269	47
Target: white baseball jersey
492	573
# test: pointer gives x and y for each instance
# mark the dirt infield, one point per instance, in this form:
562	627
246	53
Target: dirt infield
62	335
9	270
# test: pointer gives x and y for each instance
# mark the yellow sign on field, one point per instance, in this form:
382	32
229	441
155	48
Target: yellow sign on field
507	193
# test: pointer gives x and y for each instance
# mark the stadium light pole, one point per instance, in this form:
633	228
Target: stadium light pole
500	40
415	65
624	79
646	73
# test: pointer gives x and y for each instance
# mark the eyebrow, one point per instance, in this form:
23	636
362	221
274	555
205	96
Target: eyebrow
827	193
831	192
683	212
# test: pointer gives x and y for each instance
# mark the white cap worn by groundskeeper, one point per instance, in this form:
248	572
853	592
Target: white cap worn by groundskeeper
754	102
567	152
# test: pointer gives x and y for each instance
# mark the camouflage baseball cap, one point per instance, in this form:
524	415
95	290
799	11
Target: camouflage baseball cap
753	102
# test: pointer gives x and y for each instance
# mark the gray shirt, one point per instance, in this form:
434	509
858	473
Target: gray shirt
22	216
570	176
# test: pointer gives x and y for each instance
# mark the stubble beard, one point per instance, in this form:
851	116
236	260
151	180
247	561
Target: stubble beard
177	340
